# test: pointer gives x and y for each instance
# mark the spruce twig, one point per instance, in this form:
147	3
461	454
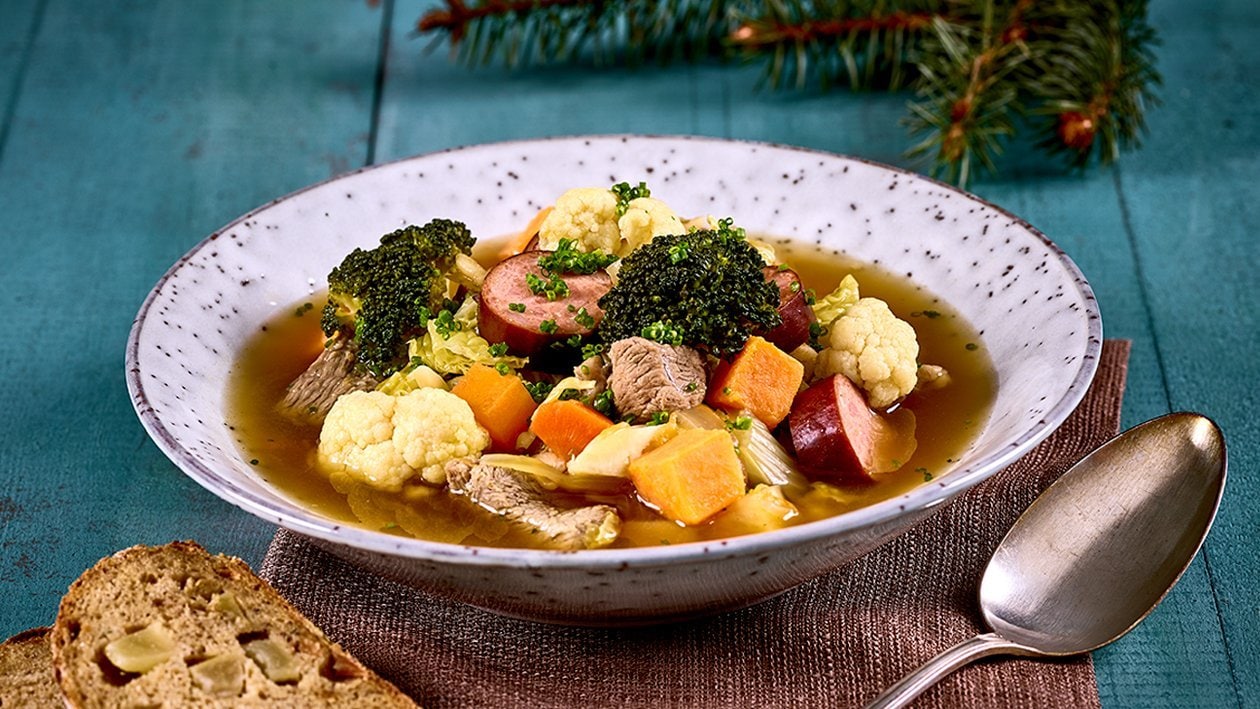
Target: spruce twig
853	43
1079	73
967	103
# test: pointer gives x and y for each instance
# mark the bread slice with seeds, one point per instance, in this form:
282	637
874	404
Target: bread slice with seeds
174	626
26	672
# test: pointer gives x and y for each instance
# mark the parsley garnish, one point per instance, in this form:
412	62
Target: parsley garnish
726	227
446	324
625	193
603	403
816	332
567	259
539	390
553	286
660	332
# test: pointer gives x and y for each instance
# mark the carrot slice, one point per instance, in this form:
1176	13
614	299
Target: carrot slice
500	403
520	242
761	379
692	476
567	426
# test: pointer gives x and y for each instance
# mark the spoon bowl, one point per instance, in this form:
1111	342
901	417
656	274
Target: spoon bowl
1097	551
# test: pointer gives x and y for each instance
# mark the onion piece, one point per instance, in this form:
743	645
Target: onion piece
555	479
765	460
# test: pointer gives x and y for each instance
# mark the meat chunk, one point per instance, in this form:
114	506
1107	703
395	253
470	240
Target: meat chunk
649	377
594	369
310	396
520	500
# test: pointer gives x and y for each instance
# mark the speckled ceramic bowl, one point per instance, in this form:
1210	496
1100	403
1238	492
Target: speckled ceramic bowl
1038	318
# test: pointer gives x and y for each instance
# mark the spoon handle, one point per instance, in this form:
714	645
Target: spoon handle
935	669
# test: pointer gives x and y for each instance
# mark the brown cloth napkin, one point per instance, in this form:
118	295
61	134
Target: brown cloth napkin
835	641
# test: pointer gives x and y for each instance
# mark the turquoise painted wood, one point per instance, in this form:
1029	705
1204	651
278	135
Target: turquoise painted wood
131	131
139	128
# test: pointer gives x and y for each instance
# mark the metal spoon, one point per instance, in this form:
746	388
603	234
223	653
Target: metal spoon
1096	552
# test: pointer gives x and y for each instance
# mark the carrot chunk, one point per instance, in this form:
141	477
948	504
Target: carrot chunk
566	426
761	379
691	477
500	403
520	242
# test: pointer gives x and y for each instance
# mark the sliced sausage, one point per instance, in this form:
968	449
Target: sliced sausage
837	436
793	310
523	330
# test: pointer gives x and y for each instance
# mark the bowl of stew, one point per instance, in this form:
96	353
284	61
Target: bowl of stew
611	380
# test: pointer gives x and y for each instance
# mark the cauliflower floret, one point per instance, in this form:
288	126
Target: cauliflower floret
645	219
588	216
873	348
384	440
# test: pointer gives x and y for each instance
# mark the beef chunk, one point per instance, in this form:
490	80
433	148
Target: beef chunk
520	500
648	377
312	394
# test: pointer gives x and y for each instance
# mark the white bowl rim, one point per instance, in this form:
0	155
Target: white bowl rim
919	498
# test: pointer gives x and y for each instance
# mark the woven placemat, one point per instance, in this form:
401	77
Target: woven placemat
835	641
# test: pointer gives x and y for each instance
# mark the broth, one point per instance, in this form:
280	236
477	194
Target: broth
283	452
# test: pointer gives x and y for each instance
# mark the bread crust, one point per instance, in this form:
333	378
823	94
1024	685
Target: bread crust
26	674
183	587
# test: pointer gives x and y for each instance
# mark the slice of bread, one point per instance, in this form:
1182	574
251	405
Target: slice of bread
175	626
26	672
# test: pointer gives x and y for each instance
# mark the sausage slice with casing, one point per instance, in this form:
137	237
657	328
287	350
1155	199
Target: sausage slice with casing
794	310
511	313
837	436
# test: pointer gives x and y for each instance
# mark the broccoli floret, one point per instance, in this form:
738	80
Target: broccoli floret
706	286
383	296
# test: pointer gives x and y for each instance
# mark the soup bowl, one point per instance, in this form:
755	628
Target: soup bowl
1037	318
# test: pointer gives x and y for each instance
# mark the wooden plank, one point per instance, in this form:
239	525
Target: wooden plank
140	128
431	103
1193	198
1177	656
19	23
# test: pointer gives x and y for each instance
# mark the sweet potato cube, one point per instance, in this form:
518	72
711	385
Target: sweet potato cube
500	403
762	379
692	477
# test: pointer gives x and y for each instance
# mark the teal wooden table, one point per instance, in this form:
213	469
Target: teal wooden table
129	130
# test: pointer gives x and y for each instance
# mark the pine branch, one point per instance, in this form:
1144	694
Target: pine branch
854	43
966	103
533	32
1095	80
1082	71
